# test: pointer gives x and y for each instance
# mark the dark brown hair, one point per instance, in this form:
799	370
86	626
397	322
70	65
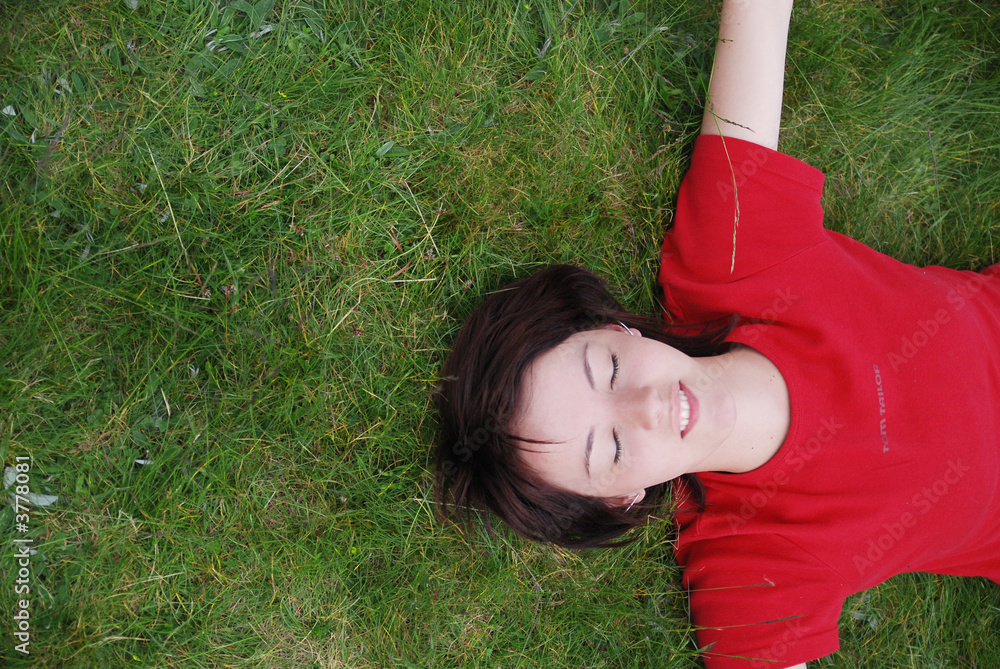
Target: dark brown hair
479	465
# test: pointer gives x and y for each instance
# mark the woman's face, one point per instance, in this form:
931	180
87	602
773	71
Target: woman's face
620	413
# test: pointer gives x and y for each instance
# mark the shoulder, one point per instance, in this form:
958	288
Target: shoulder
741	207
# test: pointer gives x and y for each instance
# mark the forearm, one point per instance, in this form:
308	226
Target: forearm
744	97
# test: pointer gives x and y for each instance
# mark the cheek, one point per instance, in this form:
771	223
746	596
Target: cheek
604	481
620	479
649	463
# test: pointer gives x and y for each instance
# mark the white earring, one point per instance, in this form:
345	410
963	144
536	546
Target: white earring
628	330
633	502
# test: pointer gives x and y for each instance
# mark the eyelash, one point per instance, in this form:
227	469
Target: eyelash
614	433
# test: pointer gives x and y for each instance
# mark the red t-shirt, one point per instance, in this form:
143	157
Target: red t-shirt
892	462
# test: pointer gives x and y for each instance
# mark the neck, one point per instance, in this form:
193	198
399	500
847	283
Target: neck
762	408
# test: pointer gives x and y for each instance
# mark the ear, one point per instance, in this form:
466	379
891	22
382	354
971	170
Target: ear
628	501
621	327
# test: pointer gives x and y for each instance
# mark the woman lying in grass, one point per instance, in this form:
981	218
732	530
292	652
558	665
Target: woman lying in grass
824	416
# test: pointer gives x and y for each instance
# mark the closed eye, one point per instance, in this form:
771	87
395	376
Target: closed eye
614	377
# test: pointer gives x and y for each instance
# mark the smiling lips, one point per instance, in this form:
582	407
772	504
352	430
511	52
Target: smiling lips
688	409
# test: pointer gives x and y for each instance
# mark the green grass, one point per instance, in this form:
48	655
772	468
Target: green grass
246	266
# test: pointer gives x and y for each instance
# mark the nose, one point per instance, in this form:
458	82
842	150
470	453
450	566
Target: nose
645	407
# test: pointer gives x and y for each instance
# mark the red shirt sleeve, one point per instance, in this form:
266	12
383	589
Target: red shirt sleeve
767	616
732	223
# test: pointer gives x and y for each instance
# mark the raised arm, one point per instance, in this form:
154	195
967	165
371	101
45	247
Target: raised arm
744	97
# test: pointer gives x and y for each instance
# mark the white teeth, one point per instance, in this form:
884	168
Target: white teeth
685	410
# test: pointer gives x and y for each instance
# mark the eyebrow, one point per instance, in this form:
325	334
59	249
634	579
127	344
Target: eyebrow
586	368
589	448
590	435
